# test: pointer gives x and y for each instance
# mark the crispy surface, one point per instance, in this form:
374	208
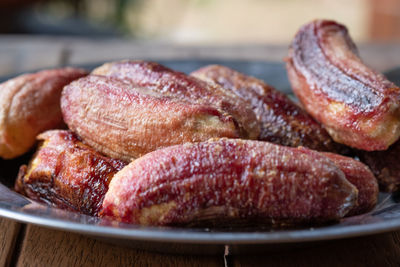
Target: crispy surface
229	179
358	106
385	166
281	121
30	104
362	178
162	80
125	122
67	173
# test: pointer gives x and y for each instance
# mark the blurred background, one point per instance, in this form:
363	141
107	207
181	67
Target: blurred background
37	34
198	21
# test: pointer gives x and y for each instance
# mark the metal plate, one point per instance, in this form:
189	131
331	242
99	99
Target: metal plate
384	218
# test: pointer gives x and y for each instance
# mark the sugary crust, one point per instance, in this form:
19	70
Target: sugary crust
167	82
358	106
281	121
126	122
229	179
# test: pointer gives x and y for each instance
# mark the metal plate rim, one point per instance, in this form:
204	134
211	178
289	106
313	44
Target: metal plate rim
188	236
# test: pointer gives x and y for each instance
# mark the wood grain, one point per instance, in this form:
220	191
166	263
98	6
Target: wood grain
44	247
378	250
8	236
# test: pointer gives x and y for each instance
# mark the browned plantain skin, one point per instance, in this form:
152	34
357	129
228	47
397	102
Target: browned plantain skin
385	166
226	180
126	122
163	80
281	121
67	173
30	104
358	106
362	178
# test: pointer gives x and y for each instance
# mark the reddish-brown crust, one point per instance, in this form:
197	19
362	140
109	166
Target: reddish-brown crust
30	104
362	178
385	166
229	179
126	122
281	121
162	80
358	106
67	173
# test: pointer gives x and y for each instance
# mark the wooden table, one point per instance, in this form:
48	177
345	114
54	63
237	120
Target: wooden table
28	245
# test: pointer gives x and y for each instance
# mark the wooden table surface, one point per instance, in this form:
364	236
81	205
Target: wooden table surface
28	245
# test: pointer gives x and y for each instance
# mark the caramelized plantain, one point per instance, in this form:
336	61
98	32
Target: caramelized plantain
281	120
162	80
384	165
30	104
358	106
126	122
362	178
226	180
68	174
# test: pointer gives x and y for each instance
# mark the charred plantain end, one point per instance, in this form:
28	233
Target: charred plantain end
126	122
30	104
162	80
67	174
229	180
358	106
384	164
359	175
281	120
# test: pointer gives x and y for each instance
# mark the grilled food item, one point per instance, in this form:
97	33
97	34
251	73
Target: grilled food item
281	121
68	174
385	166
358	106
30	104
126	122
162	80
229	180
362	178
